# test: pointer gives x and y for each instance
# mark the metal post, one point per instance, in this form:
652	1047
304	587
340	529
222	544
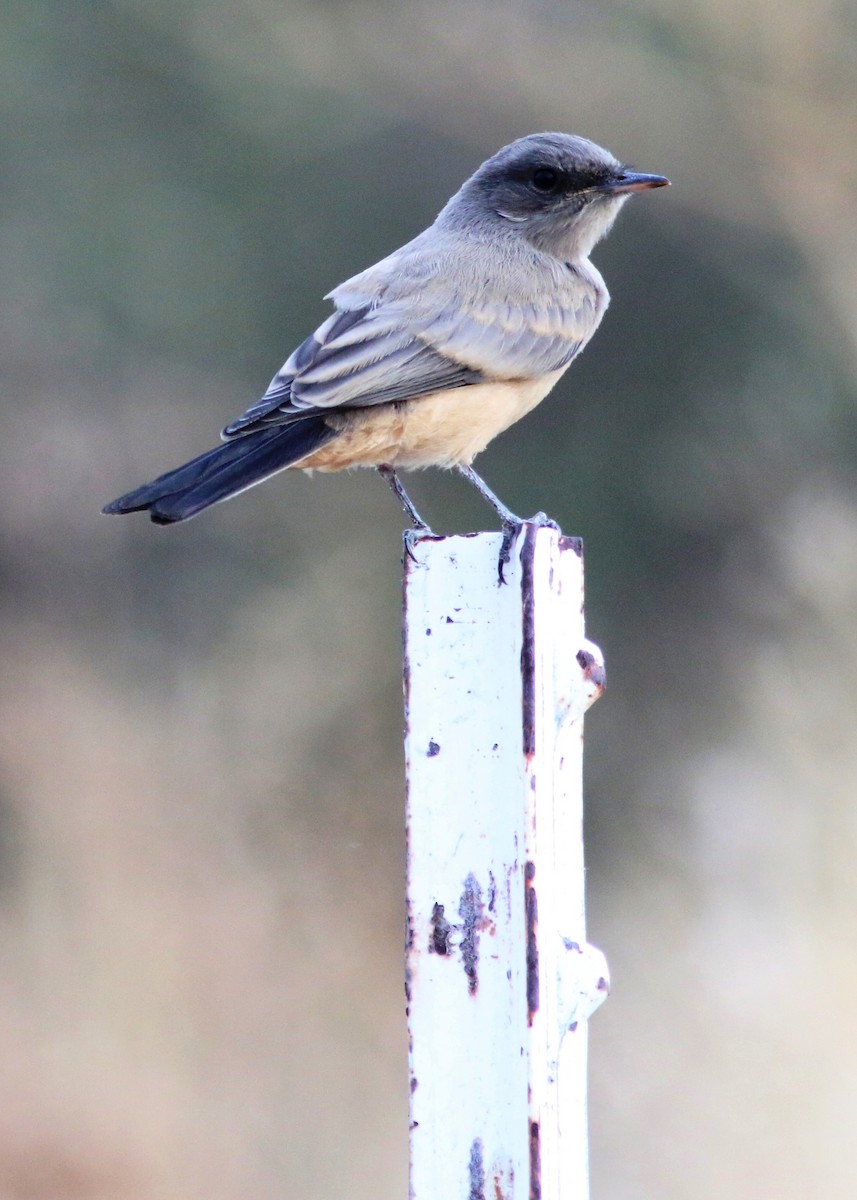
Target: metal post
497	678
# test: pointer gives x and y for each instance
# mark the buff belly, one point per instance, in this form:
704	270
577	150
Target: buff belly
439	430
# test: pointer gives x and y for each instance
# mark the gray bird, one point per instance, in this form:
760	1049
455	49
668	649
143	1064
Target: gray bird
439	347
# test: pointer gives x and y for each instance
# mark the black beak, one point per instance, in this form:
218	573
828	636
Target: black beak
631	181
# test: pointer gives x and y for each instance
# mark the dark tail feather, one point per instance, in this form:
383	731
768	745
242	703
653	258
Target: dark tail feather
223	471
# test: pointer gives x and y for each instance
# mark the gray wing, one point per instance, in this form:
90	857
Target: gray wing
356	358
402	330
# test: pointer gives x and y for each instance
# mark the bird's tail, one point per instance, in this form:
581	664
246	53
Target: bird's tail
224	471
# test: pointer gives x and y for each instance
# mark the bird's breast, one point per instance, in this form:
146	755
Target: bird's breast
438	430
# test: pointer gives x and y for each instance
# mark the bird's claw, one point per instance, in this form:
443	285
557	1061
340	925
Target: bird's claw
511	529
412	536
510	532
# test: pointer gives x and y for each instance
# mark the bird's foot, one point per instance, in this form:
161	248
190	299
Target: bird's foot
420	528
511	529
412	536
541	521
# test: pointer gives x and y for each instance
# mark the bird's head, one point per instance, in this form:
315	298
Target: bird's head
559	192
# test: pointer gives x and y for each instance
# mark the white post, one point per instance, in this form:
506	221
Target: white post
497	678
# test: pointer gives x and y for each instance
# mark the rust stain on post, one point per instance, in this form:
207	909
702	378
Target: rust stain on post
532	914
528	652
406	661
499	1182
535	1161
410	938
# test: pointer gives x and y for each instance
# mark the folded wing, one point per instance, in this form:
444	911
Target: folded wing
403	330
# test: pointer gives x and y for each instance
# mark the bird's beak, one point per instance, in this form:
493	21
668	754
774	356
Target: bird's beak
631	181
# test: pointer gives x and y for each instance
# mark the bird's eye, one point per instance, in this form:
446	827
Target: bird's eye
545	179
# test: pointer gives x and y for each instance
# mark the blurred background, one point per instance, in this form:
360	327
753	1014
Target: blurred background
201	776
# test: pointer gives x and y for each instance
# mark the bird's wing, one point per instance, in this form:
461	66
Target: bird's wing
356	358
402	331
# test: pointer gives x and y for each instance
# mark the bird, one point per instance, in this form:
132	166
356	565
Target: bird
437	348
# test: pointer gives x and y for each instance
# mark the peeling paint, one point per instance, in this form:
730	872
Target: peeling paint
440	931
477	1171
571	543
511	885
593	670
470	911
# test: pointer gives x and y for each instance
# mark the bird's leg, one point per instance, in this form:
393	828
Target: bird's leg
419	525
387	472
511	522
506	515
